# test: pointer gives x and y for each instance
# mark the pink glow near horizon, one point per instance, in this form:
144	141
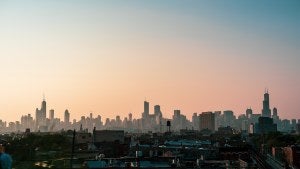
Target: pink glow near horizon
106	58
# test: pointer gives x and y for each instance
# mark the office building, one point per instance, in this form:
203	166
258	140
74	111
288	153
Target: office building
146	110
67	117
249	112
40	115
266	111
157	110
51	114
207	121
265	125
228	118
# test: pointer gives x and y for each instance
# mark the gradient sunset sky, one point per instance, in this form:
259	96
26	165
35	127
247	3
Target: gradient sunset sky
107	57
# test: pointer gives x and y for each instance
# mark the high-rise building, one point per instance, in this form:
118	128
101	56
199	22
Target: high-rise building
146	110
157	115
207	121
275	112
285	125
130	116
43	109
146	107
51	114
249	112
157	110
176	114
275	116
27	122
40	115
229	118
195	121
266	111
179	121
254	118
294	123
118	121
265	125
298	128
219	120
265	122
67	116
37	117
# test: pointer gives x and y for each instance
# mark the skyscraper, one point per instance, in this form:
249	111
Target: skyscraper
157	110
146	107
207	121
219	120
130	116
266	111
229	118
43	109
265	125
176	114
195	121
40	115
275	116
275	112
146	110
51	114
249	112
67	116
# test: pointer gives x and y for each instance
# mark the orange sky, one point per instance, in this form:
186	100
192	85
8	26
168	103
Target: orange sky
108	57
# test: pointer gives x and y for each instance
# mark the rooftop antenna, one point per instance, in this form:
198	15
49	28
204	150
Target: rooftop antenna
44	97
266	90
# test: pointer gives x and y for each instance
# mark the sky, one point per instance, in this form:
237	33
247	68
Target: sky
107	57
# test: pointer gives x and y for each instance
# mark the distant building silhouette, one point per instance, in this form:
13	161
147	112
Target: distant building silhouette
229	118
154	122
266	111
265	125
195	121
249	112
146	109
157	110
265	122
179	121
275	116
27	122
150	122
67	117
285	125
207	121
40	116
51	114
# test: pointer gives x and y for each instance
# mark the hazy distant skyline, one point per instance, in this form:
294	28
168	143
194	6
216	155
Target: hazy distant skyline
106	57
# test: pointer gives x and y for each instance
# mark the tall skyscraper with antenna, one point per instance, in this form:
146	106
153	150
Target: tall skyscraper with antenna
40	115
266	111
265	122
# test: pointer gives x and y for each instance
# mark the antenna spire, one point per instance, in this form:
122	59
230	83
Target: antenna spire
266	90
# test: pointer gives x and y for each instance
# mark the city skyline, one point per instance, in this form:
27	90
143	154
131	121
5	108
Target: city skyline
250	122
41	114
105	57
